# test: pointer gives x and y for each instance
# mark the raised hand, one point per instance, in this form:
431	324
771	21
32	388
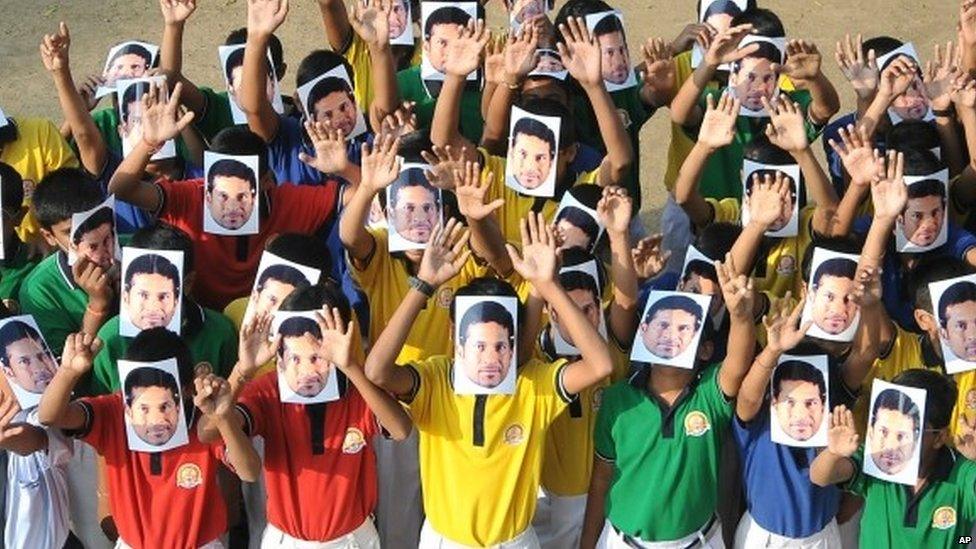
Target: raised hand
770	199
471	191
539	261
861	160
786	129
520	55
718	126
495	60
967	22
659	69
940	75
463	53
255	346
336	344
162	121
331	153
725	46
446	253
213	395
860	71
783	331
79	352
88	88
54	49
897	77
649	256
380	164
370	19
93	279
177	11
614	209
737	290
688	36
964	93
803	60
580	52
842	437
867	287
444	162
265	16
888	191
399	122
9	408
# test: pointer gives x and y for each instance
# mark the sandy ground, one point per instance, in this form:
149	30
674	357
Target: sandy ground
25	87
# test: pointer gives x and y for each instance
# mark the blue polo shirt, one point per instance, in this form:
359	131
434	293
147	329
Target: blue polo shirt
834	164
290	140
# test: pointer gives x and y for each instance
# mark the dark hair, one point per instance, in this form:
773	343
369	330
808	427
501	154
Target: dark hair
62	193
448	15
318	63
579	280
764	50
285	274
882	45
487	286
412	144
99	217
239	37
15	330
762	151
535	128
228	167
703	269
156	344
297	326
850	244
147	376
940	395
309	298
610	23
927	187
727	7
921	162
485	312
587	194
840	267
573	257
798	370
324	88
132	94
928	270
716	240
676	302
579	8
582	220
236	59
240	141
893	399
11	188
305	250
913	134
764	22
150	264
412	177
543	106
162	236
960	292
133	49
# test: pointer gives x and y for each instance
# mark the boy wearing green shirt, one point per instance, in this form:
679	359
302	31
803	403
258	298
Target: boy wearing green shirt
16	263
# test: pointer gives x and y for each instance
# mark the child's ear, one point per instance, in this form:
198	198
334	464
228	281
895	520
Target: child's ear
49	238
298	104
925	320
569	153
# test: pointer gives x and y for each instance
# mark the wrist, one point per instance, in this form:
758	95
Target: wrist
513	80
379	47
97	305
422	284
150	147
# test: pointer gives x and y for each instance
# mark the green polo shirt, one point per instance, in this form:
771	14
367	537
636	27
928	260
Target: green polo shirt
412	88
107	120
937	516
665	460
51	296
14	269
722	177
215	342
217	114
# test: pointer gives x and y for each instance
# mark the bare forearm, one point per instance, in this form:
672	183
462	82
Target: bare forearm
171	49
96	313
872	117
447	112
532	325
876	242
951	151
595	514
686	186
54	403
741	350
684	106
829	468
240	453
843	220
752	394
825	101
871	330
488	243
623	310
381	365
261	117
31	439
746	247
592	347
335	19
91	145
388	411
495	136
352	224
385	91
620	153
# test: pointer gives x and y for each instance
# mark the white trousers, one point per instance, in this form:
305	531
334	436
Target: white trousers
850	531
430	539
558	520
255	496
215	544
750	534
363	537
83	497
712	539
400	509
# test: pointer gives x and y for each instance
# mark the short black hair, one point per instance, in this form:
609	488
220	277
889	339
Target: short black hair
324	88
487	286
285	274
727	7
133	49
940	394
579	280
960	292
62	193
413	143
229	167
761	150
412	177
927	187
840	267
485	312
297	326
610	23
239	37
850	244
101	216
928	270
913	135
893	399
157	344
716	240
160	235
922	162
764	50
579	8
448	15
318	63
546	106
147	376
11	188
798	370
572	257
236	59
241	141
582	220
150	264
309	298
587	194
132	94
535	128
15	330
764	22
882	45
703	269
676	302
306	250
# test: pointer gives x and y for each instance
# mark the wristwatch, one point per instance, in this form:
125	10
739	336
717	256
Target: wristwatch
421	286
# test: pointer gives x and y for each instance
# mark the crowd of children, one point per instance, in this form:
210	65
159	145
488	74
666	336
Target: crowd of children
414	304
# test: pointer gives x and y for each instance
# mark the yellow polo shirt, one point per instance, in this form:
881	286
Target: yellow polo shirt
481	455
385	281
357	54
779	271
905	353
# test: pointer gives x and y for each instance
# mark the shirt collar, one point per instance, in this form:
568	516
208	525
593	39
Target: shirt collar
65	269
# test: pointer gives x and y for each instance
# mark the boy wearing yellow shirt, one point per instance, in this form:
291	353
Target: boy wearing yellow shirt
481	454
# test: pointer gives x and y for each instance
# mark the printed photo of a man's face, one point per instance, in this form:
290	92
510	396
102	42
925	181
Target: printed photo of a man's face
925	212
756	77
231	191
913	104
331	100
549	61
399	18
957	319
442	26
487	341
718	15
577	228
670	326
234	72
527	10
94	238
274	284
130	61
152	404
799	397
834	309
582	290
151	291
300	358
26	360
614	56
532	154
894	431
414	207
130	102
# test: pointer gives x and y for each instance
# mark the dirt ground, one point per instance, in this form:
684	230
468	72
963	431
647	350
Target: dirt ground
25	88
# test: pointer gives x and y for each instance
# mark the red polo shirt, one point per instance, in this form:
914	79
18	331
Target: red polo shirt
319	464
226	265
164	500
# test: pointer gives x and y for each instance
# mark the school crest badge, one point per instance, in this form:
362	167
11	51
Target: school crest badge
624	118
696	424
971	399
597	398
786	265
515	434
188	476
353	442
444	297
944	518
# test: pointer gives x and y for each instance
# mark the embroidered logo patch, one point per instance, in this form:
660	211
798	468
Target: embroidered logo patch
514	434
353	442
188	476
597	398
971	399
624	118
696	424
944	518
786	265
444	297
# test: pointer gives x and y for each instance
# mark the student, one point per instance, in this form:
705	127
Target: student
675	421
230	193
181	480
615	64
94	238
486	324
532	153
799	394
232	260
498	450
150	291
129	61
924	213
26	360
670	325
414	208
64	299
957	318
300	469
941	499
210	336
275	284
577	227
16	263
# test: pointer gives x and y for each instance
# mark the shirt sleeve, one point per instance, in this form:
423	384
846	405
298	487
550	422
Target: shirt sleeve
250	405
725	210
105	374
102	414
859	482
719	402
426	381
180	200
377	263
366	421
57	153
960	240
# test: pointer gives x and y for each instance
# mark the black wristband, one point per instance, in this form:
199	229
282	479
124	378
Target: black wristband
945	113
421	286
